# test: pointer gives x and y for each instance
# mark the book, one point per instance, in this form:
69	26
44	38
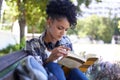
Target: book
75	61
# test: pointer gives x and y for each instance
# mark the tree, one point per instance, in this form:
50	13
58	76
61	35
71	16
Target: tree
119	26
0	7
32	13
28	12
98	28
22	17
36	16
116	25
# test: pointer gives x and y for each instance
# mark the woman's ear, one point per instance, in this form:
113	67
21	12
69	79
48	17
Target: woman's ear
48	21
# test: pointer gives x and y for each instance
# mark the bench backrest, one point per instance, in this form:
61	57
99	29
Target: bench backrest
8	64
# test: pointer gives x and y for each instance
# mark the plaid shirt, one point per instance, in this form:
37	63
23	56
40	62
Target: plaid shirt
37	46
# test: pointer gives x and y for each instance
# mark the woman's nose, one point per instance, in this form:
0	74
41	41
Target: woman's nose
63	32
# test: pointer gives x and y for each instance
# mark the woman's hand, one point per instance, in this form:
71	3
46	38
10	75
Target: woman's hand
58	52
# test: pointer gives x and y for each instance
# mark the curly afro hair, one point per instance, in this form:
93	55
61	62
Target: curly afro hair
62	8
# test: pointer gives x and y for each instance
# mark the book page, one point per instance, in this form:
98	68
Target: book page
76	56
70	63
76	61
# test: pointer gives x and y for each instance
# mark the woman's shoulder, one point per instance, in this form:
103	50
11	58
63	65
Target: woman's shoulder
32	43
66	38
67	42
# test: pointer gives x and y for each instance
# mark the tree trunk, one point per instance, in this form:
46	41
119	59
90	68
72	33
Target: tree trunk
33	31
0	7
21	19
22	24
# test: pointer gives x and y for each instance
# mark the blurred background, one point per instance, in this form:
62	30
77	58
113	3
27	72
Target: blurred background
97	31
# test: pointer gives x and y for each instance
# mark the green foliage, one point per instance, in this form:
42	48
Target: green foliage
6	28
12	48
119	25
34	12
11	12
22	44
36	15
98	28
116	22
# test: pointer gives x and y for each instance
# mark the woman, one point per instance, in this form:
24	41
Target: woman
53	44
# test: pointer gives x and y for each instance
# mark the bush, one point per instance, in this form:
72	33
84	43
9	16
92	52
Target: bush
104	71
12	48
9	49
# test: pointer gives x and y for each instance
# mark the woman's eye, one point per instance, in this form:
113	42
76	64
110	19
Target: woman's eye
60	28
66	29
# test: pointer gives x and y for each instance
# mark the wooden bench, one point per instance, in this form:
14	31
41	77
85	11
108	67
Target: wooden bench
8	64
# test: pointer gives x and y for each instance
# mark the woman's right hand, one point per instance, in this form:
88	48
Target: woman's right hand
57	52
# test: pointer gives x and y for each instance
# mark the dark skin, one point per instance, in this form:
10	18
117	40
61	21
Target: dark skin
55	31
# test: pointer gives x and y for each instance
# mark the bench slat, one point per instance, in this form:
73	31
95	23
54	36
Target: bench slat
8	76
9	59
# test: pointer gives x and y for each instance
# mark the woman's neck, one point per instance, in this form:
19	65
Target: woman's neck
49	38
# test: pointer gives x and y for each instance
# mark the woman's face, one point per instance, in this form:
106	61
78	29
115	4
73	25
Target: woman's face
57	28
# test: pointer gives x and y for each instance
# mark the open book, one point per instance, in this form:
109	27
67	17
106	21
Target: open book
76	61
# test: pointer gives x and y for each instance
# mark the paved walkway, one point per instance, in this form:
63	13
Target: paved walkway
109	52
